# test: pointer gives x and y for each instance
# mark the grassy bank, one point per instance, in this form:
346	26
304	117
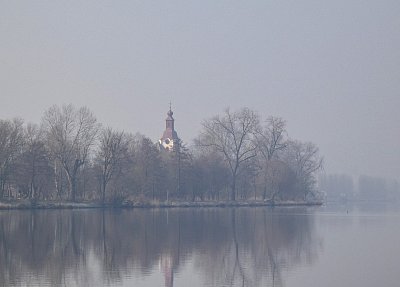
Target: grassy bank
26	204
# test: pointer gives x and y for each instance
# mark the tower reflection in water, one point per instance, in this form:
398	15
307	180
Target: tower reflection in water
167	268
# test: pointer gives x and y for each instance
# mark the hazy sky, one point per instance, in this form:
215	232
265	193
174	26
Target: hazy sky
330	68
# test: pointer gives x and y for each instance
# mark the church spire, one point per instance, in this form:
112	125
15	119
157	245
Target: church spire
169	121
169	136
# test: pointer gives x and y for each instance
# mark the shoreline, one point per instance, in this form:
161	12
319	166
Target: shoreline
27	205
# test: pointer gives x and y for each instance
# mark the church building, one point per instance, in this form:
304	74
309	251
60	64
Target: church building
169	140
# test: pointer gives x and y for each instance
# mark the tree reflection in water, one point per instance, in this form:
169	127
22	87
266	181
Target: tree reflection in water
227	246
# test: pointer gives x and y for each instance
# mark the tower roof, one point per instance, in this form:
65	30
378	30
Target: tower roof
169	132
170	113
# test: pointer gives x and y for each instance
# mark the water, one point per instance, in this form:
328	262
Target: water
322	246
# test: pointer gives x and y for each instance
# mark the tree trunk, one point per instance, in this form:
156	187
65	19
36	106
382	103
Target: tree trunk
56	180
1	189
73	189
233	188
104	191
265	192
72	186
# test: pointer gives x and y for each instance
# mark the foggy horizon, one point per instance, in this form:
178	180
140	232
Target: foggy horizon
331	70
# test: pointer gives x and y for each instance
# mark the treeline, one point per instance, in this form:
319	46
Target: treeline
342	187
70	156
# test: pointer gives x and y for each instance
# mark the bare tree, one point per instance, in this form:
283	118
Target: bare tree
179	164
280	180
112	150
232	135
148	168
70	135
305	161
210	176
33	171
11	143
271	139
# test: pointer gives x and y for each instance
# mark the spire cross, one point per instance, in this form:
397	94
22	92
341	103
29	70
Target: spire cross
169	105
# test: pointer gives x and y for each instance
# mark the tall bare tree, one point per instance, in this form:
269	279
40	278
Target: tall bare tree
178	166
271	139
33	170
11	143
112	150
70	133
148	168
305	161
231	135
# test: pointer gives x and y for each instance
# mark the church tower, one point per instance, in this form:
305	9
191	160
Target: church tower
169	140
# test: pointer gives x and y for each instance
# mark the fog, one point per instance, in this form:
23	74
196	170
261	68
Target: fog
331	70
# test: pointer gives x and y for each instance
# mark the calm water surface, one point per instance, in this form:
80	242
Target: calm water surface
324	246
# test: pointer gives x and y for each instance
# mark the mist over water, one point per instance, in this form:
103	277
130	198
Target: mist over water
326	246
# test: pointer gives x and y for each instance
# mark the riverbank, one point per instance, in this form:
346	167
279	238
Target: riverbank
26	204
